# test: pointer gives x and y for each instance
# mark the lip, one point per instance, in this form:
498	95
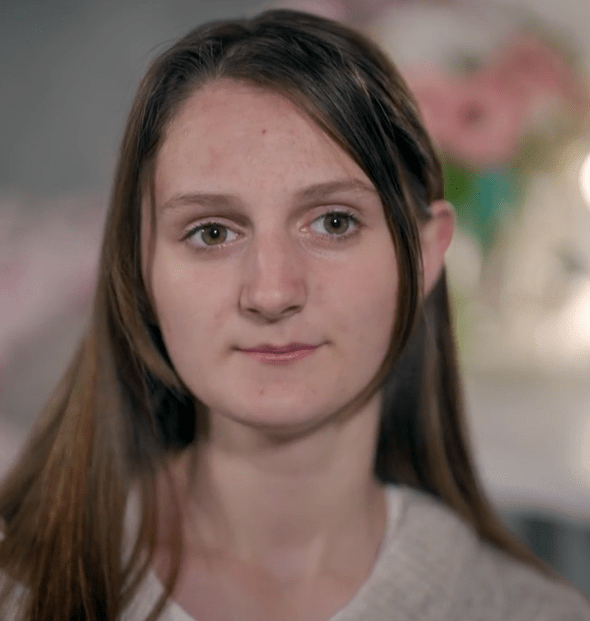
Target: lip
280	354
278	349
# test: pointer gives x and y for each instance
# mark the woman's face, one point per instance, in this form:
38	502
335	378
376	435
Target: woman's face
273	273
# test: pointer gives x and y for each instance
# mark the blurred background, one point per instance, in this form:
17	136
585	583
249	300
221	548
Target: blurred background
504	88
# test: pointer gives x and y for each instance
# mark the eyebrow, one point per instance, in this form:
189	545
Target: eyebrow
223	201
229	202
319	191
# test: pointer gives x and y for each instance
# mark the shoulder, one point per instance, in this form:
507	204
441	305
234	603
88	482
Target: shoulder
507	589
145	600
481	582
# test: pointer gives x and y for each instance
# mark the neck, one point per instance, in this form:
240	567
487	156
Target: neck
294	508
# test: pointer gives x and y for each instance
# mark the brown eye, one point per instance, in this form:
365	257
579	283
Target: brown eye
214	234
335	224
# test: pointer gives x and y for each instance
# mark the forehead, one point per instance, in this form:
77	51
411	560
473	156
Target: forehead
246	133
211	107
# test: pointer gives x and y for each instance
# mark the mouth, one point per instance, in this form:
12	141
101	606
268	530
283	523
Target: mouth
280	354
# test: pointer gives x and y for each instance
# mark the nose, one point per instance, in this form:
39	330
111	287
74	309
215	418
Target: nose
273	285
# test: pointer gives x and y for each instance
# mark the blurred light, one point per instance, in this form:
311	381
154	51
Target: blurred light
585	180
581	447
574	325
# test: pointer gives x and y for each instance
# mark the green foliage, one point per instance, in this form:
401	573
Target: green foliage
483	200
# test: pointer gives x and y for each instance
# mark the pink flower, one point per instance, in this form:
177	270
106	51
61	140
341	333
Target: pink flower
531	69
480	118
468	117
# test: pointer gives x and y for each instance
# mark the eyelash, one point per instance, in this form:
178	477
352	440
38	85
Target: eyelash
353	221
199	228
341	213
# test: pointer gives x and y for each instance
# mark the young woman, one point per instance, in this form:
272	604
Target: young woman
264	418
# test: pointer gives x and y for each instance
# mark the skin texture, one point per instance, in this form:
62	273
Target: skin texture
280	277
283	516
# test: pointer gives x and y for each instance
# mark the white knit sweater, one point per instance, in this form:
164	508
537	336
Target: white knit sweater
431	567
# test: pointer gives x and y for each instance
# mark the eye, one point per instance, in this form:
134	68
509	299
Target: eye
210	234
335	223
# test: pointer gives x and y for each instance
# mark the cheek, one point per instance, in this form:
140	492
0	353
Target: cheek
377	312
191	304
168	289
175	302
366	309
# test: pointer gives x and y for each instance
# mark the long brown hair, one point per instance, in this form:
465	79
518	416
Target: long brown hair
121	409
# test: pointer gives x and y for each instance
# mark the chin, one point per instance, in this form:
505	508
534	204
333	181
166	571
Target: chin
280	418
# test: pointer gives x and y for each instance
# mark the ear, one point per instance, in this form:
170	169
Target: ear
435	238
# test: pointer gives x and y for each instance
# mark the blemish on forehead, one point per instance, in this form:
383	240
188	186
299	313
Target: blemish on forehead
264	131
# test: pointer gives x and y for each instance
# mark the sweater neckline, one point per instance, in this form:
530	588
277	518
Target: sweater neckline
393	496
424	548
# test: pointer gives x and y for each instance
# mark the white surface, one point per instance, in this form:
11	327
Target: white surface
531	435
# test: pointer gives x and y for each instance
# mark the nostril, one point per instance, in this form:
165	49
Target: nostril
272	305
273	285
272	314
